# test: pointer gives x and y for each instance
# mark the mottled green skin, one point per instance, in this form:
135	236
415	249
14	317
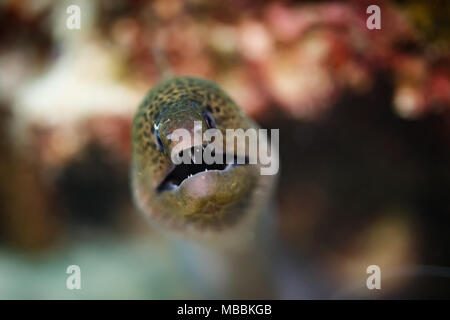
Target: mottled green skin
175	104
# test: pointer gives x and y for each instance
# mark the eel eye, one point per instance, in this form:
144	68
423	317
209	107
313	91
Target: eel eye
158	140
209	119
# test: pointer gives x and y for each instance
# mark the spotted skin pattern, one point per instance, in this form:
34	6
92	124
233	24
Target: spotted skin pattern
231	195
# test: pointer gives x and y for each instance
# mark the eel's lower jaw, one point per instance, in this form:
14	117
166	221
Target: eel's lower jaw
183	172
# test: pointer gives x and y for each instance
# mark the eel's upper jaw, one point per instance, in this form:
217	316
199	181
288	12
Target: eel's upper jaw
183	172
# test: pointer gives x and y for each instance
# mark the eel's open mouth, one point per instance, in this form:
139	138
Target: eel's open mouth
184	171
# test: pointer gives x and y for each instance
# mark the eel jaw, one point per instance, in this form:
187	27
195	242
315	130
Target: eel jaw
183	172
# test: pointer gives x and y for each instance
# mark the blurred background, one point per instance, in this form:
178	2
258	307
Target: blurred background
364	119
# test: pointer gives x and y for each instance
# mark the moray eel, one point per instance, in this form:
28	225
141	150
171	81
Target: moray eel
193	198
